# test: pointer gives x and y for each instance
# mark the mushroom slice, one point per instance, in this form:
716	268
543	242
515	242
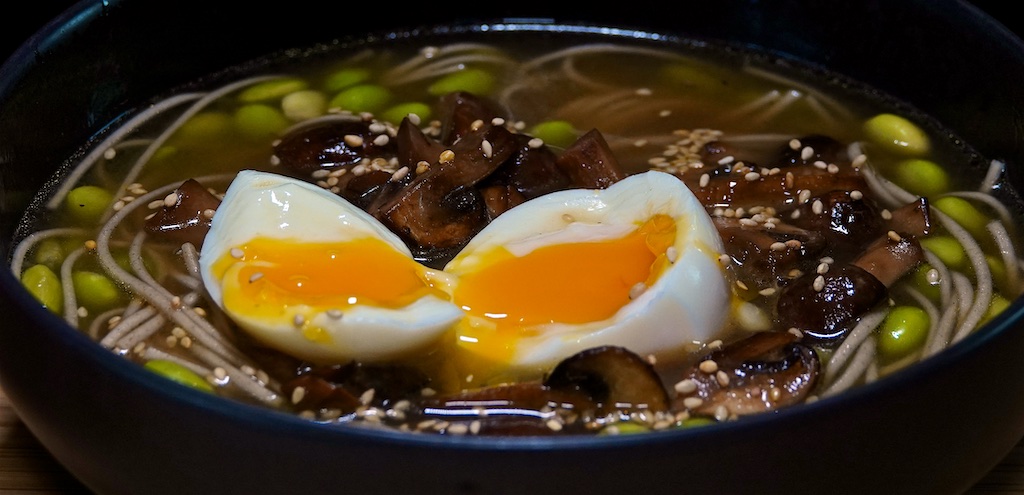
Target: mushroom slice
589	162
185	216
824	305
761	373
613	377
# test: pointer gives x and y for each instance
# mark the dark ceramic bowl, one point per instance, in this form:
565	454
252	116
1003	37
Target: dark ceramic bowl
934	428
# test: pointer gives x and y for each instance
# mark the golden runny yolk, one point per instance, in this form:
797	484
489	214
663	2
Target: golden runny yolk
272	274
567	283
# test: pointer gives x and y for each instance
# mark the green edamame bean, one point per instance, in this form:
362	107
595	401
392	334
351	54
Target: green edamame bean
259	121
345	78
88	203
897	134
696	421
998	270
95	291
475	81
178	373
362	98
964	213
998	305
925	283
947	249
555	133
396	113
271	90
44	284
304	105
204	127
904	330
49	252
921	177
623	428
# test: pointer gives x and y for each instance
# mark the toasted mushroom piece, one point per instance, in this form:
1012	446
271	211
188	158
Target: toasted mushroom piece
825	305
346	387
613	377
589	162
763	372
329	144
439	210
187	218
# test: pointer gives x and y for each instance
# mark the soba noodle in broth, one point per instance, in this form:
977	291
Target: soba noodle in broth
722	122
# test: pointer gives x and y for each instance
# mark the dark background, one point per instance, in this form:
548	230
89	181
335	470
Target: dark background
20	19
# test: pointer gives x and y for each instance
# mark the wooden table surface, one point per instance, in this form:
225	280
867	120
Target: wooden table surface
26	468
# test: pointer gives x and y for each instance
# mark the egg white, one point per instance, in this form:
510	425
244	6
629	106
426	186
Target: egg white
265	205
688	303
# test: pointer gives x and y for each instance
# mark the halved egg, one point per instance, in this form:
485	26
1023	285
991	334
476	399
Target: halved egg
635	265
316	277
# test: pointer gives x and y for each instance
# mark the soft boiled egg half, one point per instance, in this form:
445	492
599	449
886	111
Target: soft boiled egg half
634	265
318	278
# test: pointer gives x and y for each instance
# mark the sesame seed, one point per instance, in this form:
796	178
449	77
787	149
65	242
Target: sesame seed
704	180
796	331
856	195
859	160
724	259
367	396
822	268
686	386
171	199
768	291
671	254
741	285
886	215
447	156
486	148
637	290
400	173
381	140
209	213
298	394
220	373
693	402
752	176
721	413
458	429
807	153
794	144
353	140
156	203
726	160
932	276
819	283
817	207
777	246
237	253
708	366
893	236
334	313
722	378
90	245
820	165
255	276
554	425
535	143
804	195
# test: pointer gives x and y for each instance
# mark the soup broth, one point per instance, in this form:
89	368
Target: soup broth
584	234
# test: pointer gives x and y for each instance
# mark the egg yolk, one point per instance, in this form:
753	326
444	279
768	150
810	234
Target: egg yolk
270	275
570	283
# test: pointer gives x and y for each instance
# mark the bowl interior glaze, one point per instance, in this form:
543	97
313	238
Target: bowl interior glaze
936	427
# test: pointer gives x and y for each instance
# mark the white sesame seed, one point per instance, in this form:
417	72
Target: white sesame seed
237	253
704	180
807	153
819	283
693	402
637	290
400	173
752	176
298	394
486	148
671	254
777	246
722	378
255	276
298	320
708	366
794	144
353	140
686	386
817	207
